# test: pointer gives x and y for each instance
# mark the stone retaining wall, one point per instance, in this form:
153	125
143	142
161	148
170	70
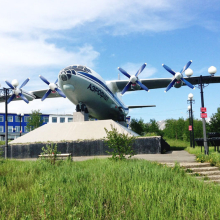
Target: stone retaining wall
142	145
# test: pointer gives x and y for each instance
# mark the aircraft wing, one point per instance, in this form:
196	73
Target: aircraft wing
118	85
38	94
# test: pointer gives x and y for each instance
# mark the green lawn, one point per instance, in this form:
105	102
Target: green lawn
213	158
103	189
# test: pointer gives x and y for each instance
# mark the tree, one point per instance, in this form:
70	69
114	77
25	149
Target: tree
154	127
121	144
34	120
214	124
138	126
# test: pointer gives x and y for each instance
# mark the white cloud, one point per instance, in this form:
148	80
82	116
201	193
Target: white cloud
132	69
56	15
29	30
20	55
50	105
125	16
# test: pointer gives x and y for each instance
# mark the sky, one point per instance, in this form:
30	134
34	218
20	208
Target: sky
43	37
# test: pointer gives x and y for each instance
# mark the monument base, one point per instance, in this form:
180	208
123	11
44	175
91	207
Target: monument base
80	116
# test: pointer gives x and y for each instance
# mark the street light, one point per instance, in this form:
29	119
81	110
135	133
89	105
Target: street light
212	70
4	94
20	117
201	81
190	127
190	100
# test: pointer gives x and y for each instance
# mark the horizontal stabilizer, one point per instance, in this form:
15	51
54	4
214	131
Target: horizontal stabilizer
141	106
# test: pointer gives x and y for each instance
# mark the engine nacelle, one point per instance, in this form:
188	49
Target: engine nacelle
135	86
178	84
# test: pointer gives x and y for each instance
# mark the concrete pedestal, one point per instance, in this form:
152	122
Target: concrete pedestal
80	116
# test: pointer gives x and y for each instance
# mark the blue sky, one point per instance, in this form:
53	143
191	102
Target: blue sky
42	37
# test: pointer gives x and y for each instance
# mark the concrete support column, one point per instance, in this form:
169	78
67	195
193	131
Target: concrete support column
80	116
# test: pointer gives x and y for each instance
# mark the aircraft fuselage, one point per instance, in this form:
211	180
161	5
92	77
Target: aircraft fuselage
83	85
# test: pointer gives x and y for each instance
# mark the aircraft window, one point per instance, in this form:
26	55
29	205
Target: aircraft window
73	72
68	75
80	68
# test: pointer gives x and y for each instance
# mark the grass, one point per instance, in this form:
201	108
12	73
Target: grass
177	144
103	189
213	158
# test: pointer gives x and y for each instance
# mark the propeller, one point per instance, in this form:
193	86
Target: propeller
17	91
52	88
178	76
133	79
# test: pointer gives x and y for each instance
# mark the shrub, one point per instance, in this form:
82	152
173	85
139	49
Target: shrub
120	143
51	151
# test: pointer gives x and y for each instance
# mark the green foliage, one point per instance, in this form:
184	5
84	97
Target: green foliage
213	158
35	120
179	129
177	144
138	126
214	124
145	129
121	144
103	189
2	142
51	152
1	152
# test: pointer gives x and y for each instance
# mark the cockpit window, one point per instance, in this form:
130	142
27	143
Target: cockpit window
78	68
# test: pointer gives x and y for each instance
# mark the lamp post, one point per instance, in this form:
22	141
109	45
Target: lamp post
212	70
4	94
20	117
190	127
201	81
190	100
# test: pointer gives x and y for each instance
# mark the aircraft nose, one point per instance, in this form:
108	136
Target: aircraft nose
65	75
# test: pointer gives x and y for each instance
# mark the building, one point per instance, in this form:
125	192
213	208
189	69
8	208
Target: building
61	118
15	125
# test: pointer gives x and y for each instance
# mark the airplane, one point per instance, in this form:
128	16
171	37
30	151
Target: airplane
99	98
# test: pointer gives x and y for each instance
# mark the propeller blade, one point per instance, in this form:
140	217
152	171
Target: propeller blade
168	69
186	66
46	94
25	82
170	85
60	92
9	84
187	83
142	86
43	79
141	69
125	88
124	72
23	97
11	98
56	81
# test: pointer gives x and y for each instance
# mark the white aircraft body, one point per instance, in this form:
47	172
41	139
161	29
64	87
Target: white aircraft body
101	99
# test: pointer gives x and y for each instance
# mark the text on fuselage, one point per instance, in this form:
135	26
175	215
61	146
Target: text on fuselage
98	91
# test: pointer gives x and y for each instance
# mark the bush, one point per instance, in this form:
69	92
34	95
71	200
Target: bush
120	143
51	151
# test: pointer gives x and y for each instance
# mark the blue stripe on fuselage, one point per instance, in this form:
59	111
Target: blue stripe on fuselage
100	83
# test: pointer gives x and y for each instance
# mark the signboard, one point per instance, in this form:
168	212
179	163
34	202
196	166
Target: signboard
190	127
203	115
203	109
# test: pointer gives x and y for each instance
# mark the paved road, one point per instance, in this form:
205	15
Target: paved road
170	157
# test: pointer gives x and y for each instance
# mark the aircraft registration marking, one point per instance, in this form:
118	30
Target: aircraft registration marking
98	91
